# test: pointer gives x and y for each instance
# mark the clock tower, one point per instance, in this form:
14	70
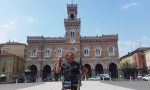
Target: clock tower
72	28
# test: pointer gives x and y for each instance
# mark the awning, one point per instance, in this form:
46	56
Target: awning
28	70
2	75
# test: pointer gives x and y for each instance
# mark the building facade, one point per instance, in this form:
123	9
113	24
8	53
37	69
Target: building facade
98	53
147	57
134	63
11	67
18	49
12	61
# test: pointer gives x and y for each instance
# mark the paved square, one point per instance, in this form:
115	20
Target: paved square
86	85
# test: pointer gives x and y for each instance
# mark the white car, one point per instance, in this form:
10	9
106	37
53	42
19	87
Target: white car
146	77
105	77
95	78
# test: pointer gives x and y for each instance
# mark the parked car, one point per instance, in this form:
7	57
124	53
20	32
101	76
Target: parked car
146	78
139	76
105	77
20	80
95	78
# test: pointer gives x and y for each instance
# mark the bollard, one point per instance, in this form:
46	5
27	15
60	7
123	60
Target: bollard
16	81
130	78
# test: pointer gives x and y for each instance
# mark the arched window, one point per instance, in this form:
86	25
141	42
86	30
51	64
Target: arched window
86	52
72	34
34	52
58	52
98	52
111	51
47	52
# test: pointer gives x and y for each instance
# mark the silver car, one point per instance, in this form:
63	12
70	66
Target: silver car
95	78
146	78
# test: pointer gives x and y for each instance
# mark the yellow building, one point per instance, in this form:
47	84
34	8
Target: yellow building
15	48
11	67
12	61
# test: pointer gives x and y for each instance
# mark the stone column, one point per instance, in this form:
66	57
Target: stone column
52	75
92	72
106	71
39	76
120	74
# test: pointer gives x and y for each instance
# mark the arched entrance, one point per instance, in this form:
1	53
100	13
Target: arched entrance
89	74
113	71
99	69
46	73
33	75
3	79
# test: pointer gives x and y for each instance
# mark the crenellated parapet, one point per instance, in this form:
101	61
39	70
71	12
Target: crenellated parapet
114	35
103	38
41	39
34	37
72	5
69	22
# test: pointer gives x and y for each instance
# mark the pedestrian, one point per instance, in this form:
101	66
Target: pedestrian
71	71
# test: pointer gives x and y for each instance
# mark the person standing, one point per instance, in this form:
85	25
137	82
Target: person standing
71	71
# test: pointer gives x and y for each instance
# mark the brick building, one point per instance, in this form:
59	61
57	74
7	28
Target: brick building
147	57
134	63
98	53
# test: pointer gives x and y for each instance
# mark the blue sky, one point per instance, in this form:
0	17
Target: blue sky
130	19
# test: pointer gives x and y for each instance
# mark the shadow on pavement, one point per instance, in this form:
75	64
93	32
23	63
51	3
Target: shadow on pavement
136	85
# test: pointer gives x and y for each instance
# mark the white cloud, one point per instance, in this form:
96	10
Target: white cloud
127	6
12	28
9	24
7	27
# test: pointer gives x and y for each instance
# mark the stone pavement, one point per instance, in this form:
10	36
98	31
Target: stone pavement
86	85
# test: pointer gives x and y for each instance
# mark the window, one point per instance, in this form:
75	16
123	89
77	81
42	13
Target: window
111	51
3	69
142	56
34	52
97	52
86	52
59	52
72	34
47	52
72	16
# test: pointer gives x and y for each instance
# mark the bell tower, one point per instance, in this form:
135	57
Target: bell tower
72	28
